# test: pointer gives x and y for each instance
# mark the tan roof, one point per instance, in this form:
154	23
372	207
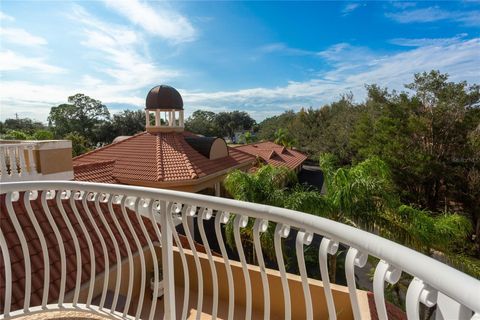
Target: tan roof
274	154
155	158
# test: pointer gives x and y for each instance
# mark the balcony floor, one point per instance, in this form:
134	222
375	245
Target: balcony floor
192	311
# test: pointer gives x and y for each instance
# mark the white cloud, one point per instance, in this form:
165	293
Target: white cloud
282	48
431	14
10	61
120	53
124	70
349	8
403	4
21	36
6	17
156	18
406	42
458	57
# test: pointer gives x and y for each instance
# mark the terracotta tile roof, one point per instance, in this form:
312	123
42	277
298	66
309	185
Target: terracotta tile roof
101	171
160	157
274	154
393	312
35	249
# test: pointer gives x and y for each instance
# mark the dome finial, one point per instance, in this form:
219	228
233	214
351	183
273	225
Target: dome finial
164	110
164	97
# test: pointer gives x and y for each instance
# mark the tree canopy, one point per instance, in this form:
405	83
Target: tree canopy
82	114
223	124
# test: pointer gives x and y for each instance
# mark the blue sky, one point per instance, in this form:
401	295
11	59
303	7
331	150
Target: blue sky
260	57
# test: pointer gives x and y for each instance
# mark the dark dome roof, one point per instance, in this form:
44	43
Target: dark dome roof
164	97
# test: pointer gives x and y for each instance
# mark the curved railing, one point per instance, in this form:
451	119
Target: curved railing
81	230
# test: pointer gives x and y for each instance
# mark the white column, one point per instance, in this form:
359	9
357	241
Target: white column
31	161
3	164
167	263
157	118
181	118
12	160
21	159
147	118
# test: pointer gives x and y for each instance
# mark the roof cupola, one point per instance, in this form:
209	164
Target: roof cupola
164	110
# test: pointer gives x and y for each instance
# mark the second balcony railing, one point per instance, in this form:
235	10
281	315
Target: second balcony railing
113	251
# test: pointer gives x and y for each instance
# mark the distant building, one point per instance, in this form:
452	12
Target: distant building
274	154
165	155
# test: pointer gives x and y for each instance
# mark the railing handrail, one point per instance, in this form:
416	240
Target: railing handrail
22	144
452	282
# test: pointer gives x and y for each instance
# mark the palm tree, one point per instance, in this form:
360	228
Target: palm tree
282	137
363	196
267	186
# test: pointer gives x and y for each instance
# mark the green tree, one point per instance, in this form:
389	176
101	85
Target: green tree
25	125
203	122
80	144
426	140
283	137
229	122
268	127
362	196
125	123
82	114
16	135
248	137
43	135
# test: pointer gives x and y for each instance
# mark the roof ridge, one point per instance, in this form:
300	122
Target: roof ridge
107	146
251	143
259	143
159	155
184	156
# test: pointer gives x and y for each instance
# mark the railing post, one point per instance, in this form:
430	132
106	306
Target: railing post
167	263
31	161
5	175
21	161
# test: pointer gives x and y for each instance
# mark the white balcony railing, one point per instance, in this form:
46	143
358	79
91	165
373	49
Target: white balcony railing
17	162
109	222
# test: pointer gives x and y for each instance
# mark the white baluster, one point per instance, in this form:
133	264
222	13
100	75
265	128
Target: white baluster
327	247
31	161
354	259
282	231
12	160
207	215
383	272
167	262
241	222
304	238
418	291
8	275
21	159
186	218
5	175
262	226
222	218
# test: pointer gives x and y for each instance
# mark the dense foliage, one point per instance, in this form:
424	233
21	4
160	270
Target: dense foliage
428	137
223	124
84	121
